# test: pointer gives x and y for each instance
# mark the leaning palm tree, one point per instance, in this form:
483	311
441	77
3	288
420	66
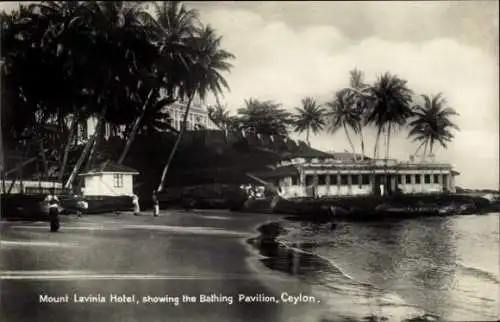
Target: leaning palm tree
170	26
203	76
341	114
432	123
310	117
111	24
391	107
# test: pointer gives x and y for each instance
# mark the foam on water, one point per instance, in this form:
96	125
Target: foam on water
479	272
471	280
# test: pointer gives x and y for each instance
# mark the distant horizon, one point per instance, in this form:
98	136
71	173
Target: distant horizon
288	50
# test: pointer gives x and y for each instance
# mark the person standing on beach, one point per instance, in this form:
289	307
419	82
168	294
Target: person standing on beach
53	203
156	204
135	202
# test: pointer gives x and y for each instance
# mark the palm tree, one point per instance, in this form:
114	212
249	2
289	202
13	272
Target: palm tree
116	31
309	117
391	107
171	27
65	20
264	117
341	114
203	76
361	102
219	114
432	123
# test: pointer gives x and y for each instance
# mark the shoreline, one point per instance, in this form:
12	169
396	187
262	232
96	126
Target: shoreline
294	262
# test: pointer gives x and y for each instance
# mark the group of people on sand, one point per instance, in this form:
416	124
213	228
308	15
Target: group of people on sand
137	207
54	207
52	202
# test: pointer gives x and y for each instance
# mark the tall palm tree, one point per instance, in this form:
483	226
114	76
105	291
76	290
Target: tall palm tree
361	102
341	114
432	123
391	107
171	26
204	75
67	21
112	25
310	117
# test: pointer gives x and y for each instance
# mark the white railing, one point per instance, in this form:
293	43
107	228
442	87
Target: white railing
379	163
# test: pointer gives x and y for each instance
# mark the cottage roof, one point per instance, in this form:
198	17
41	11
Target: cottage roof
109	166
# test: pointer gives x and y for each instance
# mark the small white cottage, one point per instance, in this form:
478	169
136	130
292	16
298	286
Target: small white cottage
109	179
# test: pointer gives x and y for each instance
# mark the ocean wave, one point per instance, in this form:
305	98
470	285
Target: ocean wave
478	272
332	263
360	293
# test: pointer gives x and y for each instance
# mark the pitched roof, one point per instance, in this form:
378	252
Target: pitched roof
279	172
307	152
109	166
347	156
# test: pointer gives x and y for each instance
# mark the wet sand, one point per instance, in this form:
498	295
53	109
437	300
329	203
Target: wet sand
178	254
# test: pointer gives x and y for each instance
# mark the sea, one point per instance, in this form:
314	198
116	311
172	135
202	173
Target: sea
444	268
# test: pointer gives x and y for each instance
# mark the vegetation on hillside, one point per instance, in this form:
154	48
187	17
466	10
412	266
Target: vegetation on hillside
122	63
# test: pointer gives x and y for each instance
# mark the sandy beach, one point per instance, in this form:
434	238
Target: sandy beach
199	263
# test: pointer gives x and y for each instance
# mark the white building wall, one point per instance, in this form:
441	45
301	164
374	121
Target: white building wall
103	185
294	191
198	115
16	187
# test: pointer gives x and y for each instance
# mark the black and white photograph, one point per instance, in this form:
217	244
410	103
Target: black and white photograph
265	161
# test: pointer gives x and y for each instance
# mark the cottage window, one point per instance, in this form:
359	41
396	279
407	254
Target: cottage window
333	179
417	179
355	179
400	179
343	180
427	178
365	179
295	181
408	179
321	180
436	178
118	180
309	180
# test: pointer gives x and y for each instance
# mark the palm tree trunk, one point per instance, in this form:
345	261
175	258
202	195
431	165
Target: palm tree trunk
20	174
350	141
90	158
86	149
72	131
307	137
44	159
174	148
388	142
135	129
419	147
379	131
362	143
425	151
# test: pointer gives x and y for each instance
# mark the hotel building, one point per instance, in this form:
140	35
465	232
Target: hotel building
319	174
197	120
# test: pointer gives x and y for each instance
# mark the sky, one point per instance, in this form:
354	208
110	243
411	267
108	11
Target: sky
286	51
